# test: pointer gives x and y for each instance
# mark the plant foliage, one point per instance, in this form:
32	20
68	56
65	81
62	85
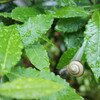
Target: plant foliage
41	38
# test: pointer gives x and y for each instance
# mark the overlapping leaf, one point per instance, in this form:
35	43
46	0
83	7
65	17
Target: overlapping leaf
66	57
29	88
70	24
34	28
38	56
23	13
10	48
63	94
67	12
92	36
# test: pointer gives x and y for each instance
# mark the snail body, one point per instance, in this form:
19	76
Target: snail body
75	68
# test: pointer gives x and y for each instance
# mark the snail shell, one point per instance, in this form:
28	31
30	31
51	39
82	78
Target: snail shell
75	68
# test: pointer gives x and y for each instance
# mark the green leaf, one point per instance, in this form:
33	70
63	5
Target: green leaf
10	48
38	56
23	13
66	57
29	88
96	72
34	28
67	93
67	12
92	36
73	40
70	24
5	15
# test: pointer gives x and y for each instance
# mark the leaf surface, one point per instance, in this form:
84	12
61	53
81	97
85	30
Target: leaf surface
29	88
74	40
66	57
38	56
23	13
34	28
64	94
67	12
70	24
10	48
96	72
92	36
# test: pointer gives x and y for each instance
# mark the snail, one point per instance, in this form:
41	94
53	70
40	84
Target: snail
75	67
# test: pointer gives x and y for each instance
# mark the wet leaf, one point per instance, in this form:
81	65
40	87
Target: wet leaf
70	24
34	28
29	88
38	56
92	36
66	57
24	13
63	94
10	48
67	12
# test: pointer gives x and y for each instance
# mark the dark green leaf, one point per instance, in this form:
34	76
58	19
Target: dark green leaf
73	40
66	57
70	24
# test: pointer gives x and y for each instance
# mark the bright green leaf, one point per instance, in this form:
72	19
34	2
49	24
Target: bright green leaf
34	28
10	48
70	24
23	13
92	36
19	72
67	12
29	88
66	57
38	56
